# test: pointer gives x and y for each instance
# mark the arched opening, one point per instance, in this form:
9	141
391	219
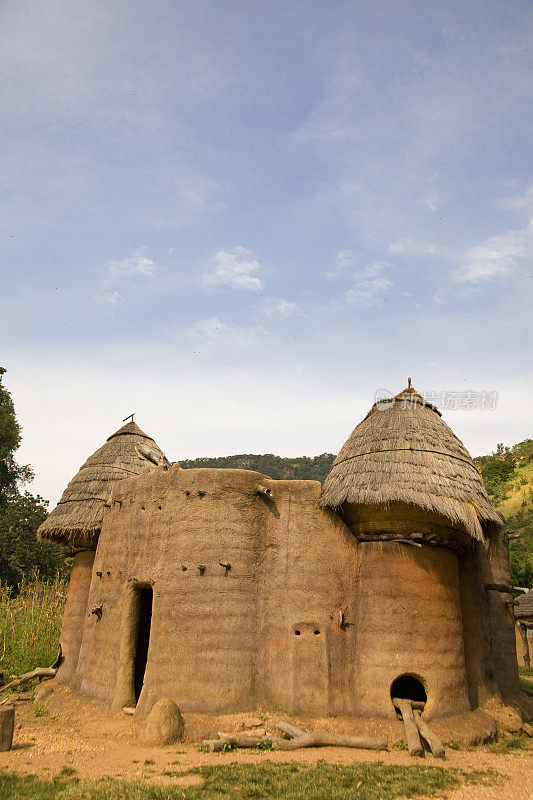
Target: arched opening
408	687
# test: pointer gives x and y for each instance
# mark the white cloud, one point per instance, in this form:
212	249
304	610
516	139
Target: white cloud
234	269
410	247
282	308
112	298
344	261
497	257
127	268
120	274
369	286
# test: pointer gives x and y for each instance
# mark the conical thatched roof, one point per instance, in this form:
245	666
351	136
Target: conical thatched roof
77	517
404	452
523	607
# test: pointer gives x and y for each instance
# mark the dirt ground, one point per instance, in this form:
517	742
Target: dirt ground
64	730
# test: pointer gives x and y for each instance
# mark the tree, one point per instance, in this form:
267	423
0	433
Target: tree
21	554
10	472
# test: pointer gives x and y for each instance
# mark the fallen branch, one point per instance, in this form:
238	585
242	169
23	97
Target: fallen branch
291	730
330	740
434	743
39	672
217	745
301	738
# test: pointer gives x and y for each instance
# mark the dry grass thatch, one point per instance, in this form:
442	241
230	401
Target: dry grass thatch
523	607
406	453
78	515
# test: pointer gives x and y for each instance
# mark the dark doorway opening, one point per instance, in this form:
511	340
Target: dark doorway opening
144	621
409	687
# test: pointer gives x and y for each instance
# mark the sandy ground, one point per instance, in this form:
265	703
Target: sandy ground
66	731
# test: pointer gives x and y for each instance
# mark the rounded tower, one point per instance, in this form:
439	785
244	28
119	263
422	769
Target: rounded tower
76	521
408	489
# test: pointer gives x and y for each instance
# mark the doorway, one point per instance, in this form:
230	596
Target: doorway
145	597
409	687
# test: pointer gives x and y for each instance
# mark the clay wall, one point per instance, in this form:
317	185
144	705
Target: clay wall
409	622
271	601
75	614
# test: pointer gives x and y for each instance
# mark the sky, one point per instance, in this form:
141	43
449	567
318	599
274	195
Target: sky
241	219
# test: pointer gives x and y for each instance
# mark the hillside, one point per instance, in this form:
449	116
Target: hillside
507	473
508	476
299	468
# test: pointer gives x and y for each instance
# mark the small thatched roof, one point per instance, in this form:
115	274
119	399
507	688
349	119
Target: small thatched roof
523	608
404	452
77	517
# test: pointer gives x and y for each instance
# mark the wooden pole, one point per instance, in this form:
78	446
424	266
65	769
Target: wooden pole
7	726
523	633
434	743
411	729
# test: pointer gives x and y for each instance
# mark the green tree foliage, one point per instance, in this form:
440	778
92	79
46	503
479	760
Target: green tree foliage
10	472
508	477
299	468
21	554
495	472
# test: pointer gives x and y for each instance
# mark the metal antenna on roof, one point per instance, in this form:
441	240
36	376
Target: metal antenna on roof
409	383
130	416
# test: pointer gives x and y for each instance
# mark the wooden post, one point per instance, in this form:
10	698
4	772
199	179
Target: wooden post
411	728
7	726
434	743
523	633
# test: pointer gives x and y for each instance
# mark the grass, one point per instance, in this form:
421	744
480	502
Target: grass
526	678
265	781
30	624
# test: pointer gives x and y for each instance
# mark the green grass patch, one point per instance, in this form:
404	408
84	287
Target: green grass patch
265	781
30	624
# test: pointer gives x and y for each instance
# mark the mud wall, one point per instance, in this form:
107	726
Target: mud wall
75	614
409	622
493	566
307	562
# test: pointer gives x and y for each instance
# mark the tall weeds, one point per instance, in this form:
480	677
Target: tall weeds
30	624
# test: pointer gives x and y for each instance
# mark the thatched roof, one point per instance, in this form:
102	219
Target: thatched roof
77	517
523	607
404	452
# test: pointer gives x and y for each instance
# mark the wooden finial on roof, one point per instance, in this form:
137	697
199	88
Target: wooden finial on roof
130	416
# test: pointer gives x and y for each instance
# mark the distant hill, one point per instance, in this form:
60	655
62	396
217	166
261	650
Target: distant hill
507	474
299	468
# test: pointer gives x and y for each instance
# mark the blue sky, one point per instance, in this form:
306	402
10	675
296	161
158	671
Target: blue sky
241	219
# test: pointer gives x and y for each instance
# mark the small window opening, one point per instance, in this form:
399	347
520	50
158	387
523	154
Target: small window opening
316	632
144	623
296	633
409	687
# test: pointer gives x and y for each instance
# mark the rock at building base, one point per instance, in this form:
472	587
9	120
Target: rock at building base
163	725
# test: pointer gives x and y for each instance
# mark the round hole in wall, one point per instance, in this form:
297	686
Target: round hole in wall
296	633
187	494
316	632
409	687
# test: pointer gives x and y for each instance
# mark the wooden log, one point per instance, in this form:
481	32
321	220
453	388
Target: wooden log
7	726
525	643
332	740
418	704
434	743
411	729
291	730
39	672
